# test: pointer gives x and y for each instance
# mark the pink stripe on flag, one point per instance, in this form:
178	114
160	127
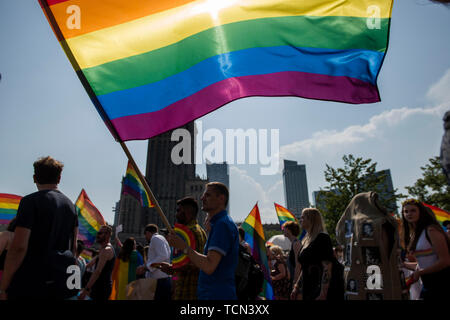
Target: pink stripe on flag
302	84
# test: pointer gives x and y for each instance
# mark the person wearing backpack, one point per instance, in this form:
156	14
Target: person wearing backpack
427	241
46	231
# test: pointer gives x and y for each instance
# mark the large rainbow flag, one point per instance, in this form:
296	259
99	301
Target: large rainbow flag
89	219
133	186
254	236
441	215
151	66
9	203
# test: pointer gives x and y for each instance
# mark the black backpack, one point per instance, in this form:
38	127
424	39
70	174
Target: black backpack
249	276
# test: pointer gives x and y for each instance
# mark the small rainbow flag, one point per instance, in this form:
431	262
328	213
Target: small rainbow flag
133	186
441	215
9	203
254	236
151	66
89	219
285	215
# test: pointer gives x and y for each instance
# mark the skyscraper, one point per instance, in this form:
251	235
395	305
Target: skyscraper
295	187
166	179
219	172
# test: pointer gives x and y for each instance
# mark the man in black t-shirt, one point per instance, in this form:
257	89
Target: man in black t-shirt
46	222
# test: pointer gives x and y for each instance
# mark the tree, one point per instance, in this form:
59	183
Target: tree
432	188
357	176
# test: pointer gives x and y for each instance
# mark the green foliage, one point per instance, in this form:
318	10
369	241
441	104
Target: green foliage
357	176
432	188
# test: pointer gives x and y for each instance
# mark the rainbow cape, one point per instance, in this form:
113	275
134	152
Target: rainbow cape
441	215
89	219
9	203
133	186
254	236
151	66
123	273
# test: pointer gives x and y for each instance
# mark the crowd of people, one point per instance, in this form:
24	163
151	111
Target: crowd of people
41	242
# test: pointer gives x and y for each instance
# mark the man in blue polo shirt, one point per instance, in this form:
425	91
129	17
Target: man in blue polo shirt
218	263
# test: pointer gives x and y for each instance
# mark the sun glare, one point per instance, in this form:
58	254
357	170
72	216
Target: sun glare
213	6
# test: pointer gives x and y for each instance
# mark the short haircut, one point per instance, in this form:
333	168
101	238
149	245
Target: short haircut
153	228
293	227
191	203
220	188
47	170
107	228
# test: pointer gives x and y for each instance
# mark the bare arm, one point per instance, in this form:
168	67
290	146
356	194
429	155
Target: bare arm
326	277
439	244
15	256
3	241
104	255
207	264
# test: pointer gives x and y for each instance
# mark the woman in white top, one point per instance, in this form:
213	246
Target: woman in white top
427	241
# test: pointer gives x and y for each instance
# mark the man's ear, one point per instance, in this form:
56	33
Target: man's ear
34	178
59	179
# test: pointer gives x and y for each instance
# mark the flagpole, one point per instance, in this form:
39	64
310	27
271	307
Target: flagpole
146	186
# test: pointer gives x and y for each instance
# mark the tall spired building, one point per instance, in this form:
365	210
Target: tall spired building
166	179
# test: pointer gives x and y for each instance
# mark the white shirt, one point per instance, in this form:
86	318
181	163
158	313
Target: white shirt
158	251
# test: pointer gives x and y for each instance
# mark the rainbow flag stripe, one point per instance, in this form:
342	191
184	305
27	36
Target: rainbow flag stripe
441	215
254	236
151	66
133	186
123	273
9	203
284	215
89	219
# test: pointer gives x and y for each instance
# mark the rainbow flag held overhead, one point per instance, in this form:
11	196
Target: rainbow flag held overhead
441	215
89	219
133	186
9	203
151	66
254	236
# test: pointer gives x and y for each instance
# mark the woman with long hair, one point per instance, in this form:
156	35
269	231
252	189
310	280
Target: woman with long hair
125	267
426	240
279	273
322	275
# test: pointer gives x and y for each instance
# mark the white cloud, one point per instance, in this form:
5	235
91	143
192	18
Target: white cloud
440	91
331	141
251	192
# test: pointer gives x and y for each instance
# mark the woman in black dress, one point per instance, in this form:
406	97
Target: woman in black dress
322	275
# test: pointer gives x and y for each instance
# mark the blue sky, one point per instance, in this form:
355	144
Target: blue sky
44	110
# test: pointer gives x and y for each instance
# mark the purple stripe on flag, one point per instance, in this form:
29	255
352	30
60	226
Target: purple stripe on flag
302	84
132	192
